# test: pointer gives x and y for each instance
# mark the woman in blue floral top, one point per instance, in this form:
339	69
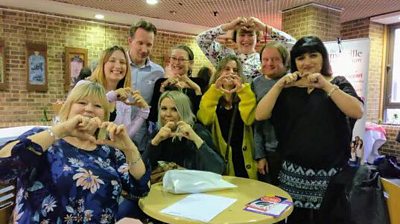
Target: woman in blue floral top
67	175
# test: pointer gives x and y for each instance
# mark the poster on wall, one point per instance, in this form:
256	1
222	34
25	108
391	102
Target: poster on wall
75	60
350	58
36	61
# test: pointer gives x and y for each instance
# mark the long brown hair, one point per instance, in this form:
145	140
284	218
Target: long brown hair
98	74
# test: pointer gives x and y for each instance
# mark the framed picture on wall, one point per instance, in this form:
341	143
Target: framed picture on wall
36	61
75	60
2	66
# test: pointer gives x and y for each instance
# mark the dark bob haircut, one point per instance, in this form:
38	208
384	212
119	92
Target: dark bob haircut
310	44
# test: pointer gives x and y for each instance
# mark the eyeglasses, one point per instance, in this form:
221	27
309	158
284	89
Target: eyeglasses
180	60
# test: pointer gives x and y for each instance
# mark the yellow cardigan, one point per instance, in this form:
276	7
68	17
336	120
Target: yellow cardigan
208	116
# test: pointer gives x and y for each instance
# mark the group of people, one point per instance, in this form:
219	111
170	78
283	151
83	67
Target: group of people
270	115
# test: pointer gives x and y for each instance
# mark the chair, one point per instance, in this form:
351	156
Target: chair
391	188
7	201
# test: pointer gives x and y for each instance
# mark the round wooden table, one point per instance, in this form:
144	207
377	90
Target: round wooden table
247	190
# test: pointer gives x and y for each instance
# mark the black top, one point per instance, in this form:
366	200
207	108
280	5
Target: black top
195	99
311	129
185	153
113	114
224	119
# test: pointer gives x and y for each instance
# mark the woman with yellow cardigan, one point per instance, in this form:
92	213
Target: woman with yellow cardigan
228	107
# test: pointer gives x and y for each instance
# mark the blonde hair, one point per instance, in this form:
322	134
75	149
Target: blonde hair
86	89
182	104
98	74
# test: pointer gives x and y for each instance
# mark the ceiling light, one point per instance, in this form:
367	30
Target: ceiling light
99	16
151	2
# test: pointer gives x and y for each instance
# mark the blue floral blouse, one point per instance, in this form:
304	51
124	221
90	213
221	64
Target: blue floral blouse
66	184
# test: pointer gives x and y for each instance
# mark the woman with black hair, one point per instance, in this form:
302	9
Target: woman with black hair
313	114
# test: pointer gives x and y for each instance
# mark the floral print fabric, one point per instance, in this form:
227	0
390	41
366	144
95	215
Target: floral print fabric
66	184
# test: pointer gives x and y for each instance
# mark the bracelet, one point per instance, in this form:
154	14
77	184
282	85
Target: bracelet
52	134
335	87
134	162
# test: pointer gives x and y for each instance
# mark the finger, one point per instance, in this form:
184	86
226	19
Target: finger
170	125
136	94
111	130
287	80
180	123
91	126
83	121
120	129
130	103
225	90
312	78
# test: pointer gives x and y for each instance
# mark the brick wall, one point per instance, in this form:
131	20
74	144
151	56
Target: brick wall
312	20
391	147
355	29
20	107
364	28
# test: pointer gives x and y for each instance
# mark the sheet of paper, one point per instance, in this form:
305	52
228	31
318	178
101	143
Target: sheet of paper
202	207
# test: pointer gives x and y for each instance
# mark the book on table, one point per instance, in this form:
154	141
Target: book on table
269	205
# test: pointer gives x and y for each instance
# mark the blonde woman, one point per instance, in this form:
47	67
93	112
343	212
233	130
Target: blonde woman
65	174
180	139
114	74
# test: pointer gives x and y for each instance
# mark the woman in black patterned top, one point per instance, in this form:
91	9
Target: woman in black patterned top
313	114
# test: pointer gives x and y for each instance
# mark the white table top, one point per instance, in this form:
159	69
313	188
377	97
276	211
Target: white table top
7	134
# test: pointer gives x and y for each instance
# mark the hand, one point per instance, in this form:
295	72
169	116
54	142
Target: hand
262	166
164	133
173	81
256	24
185	130
288	80
317	80
219	83
224	79
118	137
189	83
123	94
79	126
237	81
235	24
138	100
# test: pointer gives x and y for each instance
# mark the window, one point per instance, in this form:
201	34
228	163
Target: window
392	91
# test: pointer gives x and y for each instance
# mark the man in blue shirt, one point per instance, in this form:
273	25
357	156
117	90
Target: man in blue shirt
144	72
144	75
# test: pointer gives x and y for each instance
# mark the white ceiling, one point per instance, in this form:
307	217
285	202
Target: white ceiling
193	16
